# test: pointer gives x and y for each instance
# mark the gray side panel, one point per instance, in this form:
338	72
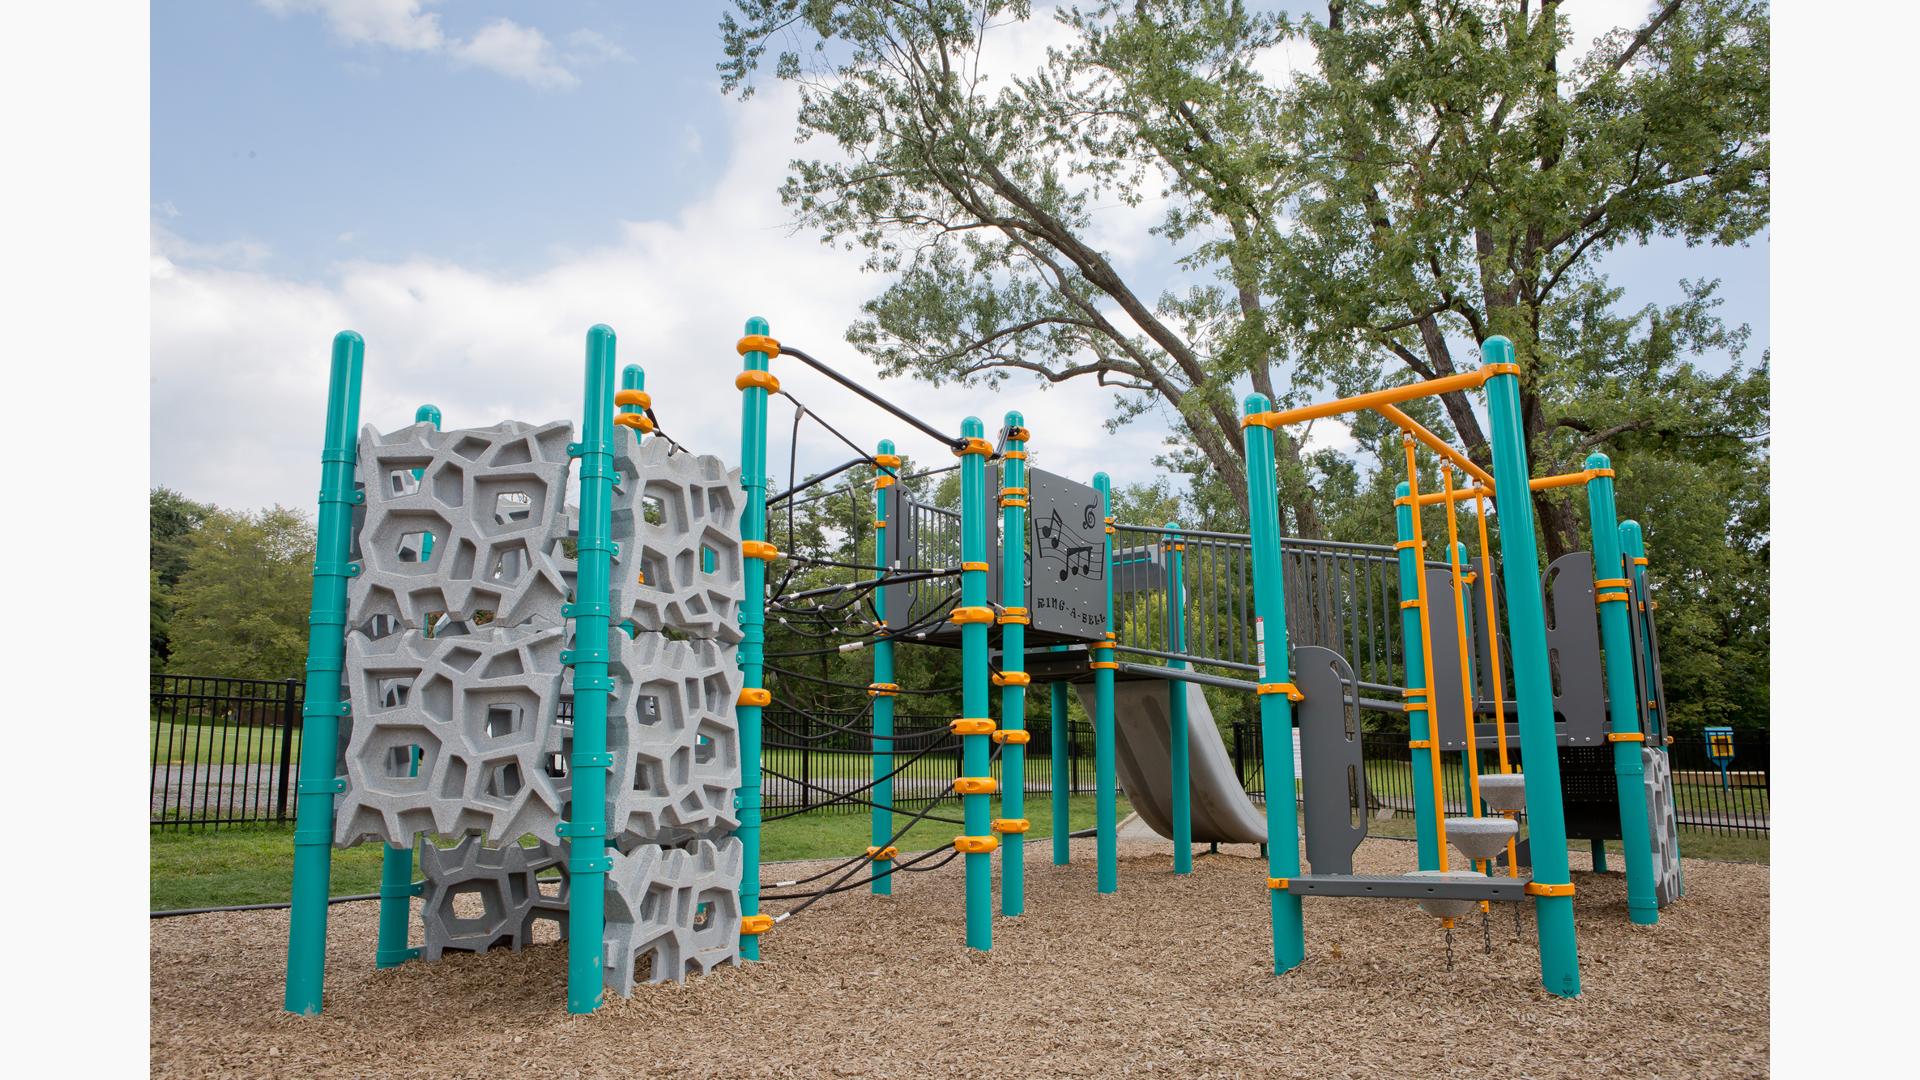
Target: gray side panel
1573	651
1332	773
1445	676
1483	665
1069	573
1222	812
1665	825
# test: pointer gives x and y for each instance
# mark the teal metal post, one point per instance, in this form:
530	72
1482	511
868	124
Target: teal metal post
1614	595
396	863
1013	668
326	655
1107	869
1276	709
975	754
882	689
1532	678
1426	830
591	611
1059	765
1179	763
1633	548
634	377
753	630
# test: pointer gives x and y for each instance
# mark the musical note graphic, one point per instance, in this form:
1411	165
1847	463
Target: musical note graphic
1076	557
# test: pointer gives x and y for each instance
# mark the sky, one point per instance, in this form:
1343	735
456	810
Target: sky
471	185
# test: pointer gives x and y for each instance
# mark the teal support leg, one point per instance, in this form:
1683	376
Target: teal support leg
883	689
1180	764
1426	828
1613	592
326	654
1058	766
586	824
753	640
397	889
1532	678
1276	708
974	616
1106	824
1013	668
1633	548
1599	849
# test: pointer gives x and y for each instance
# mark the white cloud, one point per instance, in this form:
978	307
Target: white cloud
518	52
239	356
503	46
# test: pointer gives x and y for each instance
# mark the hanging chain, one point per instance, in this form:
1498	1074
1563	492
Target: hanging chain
1486	928
1519	911
1449	947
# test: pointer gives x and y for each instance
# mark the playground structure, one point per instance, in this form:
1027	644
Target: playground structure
1305	626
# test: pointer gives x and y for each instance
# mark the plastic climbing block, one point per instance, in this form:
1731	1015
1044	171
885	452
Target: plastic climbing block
675	910
452	735
681	517
675	743
478	898
1665	825
467	540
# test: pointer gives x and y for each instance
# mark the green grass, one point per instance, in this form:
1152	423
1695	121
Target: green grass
216	744
253	864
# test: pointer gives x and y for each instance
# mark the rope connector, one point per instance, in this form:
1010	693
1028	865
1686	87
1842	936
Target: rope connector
971	726
762	379
633	397
882	854
634	420
967	616
1011	825
973	445
1011	678
753	695
975	845
976	785
758	343
1018	737
759	549
883	689
755	924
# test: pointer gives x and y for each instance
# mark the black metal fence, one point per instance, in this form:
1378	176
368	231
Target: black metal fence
224	751
1705	801
227	751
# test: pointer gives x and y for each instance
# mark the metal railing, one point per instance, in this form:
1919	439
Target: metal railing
224	751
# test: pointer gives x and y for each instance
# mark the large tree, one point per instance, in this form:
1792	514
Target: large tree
242	601
1452	180
171	519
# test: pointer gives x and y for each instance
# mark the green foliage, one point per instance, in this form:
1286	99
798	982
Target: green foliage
171	519
241	604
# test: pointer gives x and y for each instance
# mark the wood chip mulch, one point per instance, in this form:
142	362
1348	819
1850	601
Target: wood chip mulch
1168	976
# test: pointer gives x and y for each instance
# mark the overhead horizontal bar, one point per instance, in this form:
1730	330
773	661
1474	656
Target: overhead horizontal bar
1538	483
1392	395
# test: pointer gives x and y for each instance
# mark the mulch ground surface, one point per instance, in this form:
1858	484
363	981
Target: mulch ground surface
1168	976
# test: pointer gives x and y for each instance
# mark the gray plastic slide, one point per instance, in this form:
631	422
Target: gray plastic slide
1222	812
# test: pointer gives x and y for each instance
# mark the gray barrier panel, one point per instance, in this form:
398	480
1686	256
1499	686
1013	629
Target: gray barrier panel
1332	772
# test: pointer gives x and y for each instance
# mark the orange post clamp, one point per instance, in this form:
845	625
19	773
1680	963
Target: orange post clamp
975	845
882	854
1535	888
971	726
976	785
1625	736
1612	583
1293	693
1011	678
972	445
965	616
887	461
1015	455
1104	665
1011	825
637	421
633	397
1018	434
753	695
1016	616
1277	883
882	481
1012	738
758	343
970	567
1611	598
883	689
755	924
759	549
762	379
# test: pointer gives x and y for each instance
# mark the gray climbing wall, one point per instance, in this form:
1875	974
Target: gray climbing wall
455	687
1665	826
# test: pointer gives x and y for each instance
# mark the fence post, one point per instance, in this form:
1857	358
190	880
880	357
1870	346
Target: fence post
326	653
289	720
1276	705
1532	676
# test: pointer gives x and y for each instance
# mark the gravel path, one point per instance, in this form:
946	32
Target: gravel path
1168	975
